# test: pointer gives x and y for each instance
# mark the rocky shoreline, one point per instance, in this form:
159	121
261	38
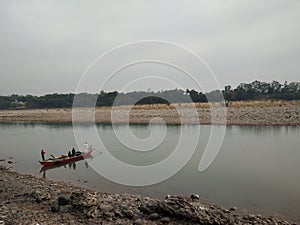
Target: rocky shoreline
266	113
26	199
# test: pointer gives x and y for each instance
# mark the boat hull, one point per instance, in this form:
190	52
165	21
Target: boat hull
65	160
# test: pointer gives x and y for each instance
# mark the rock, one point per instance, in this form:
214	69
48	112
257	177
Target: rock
106	208
195	197
233	208
154	216
226	211
63	200
251	216
136	216
93	212
90	200
40	196
65	208
118	214
10	162
54	208
138	222
128	213
38	200
165	220
146	198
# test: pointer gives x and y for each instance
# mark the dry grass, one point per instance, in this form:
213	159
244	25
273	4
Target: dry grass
265	103
261	103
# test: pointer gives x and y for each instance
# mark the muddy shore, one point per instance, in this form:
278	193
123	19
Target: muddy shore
26	199
268	113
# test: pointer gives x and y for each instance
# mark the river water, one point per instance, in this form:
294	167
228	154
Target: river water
256	169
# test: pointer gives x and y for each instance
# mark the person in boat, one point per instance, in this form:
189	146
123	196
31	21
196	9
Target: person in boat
43	154
73	152
69	154
86	147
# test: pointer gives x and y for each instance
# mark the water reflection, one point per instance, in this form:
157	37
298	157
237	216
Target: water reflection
69	165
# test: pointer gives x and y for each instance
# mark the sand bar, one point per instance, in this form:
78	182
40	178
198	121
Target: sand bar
268	113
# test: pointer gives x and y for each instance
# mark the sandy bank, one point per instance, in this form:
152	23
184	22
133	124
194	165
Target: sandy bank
29	200
237	113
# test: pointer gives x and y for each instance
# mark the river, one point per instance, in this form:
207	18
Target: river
256	169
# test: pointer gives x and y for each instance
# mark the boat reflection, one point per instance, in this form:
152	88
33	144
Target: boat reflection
70	165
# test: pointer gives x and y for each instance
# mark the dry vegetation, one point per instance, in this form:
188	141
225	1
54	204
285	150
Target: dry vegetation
238	113
266	103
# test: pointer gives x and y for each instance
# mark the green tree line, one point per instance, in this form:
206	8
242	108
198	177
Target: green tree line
256	90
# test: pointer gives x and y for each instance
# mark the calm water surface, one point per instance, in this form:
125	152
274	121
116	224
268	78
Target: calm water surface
257	168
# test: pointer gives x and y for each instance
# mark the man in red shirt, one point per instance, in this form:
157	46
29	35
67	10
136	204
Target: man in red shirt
43	154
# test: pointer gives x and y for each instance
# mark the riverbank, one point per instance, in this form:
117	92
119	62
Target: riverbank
267	113
29	200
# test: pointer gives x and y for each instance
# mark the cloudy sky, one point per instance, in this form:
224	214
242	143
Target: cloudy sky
45	46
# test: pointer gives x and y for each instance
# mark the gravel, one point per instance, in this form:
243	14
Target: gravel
26	199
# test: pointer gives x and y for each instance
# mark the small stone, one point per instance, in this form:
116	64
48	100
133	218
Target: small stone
168	196
128	213
138	222
54	208
63	200
38	200
154	216
146	199
165	220
195	197
137	216
65	208
226	211
233	208
119	214
93	213
251	216
10	162
106	208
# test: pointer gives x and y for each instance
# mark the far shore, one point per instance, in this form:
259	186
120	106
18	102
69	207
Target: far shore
263	113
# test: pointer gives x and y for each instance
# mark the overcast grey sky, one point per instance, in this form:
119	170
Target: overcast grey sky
45	46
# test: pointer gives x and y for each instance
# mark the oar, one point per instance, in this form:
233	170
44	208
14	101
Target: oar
96	150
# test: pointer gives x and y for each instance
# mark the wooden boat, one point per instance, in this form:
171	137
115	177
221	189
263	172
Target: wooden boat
63	159
70	164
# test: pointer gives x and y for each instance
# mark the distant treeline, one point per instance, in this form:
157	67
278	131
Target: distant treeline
256	90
